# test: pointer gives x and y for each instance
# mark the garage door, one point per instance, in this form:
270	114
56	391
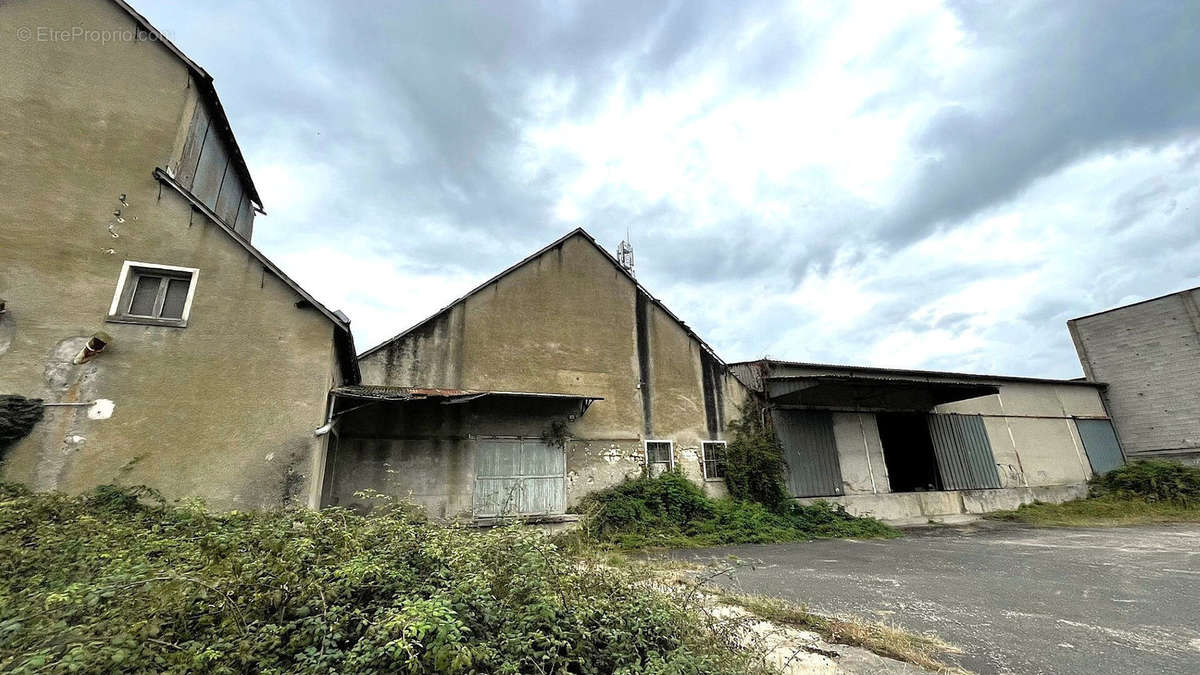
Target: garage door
518	477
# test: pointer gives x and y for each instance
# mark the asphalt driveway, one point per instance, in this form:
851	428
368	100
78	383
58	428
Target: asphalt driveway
1016	600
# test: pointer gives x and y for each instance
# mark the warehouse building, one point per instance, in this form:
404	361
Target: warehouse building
557	377
912	446
1149	354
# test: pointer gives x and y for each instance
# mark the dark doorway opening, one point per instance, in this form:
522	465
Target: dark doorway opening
908	452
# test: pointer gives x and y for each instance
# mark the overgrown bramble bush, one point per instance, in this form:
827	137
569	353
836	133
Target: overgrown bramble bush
672	511
119	581
17	417
754	462
1154	481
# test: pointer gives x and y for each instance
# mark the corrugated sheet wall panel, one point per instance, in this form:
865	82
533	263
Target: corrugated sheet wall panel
964	454
810	451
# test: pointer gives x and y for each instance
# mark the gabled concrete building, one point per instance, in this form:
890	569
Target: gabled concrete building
1149	354
171	351
559	376
914	446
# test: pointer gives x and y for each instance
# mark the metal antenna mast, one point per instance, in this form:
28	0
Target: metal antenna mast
625	252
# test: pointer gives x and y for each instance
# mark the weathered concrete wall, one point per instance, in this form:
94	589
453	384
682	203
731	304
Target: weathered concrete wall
567	322
860	454
954	506
223	408
1032	399
1149	354
1032	433
430	357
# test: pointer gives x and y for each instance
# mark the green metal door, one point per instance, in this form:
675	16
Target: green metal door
518	477
1100	444
964	454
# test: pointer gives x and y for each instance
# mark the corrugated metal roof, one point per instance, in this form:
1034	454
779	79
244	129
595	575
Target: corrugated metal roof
899	373
392	393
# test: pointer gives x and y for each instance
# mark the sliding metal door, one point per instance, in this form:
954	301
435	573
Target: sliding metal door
964	455
810	452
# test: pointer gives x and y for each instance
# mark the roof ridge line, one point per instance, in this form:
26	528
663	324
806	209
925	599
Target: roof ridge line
530	258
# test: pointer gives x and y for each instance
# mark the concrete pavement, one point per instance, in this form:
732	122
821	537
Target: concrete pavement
1015	599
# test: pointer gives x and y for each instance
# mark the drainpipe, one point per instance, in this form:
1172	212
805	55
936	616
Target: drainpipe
328	426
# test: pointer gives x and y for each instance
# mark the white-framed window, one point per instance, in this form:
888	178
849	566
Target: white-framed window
152	294
660	453
712	459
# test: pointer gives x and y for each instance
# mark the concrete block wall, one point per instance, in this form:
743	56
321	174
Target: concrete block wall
1149	355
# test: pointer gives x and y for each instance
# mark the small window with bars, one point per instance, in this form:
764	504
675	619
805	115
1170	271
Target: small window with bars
158	295
712	458
660	453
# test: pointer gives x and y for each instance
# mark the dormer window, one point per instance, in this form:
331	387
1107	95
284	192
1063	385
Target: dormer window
156	295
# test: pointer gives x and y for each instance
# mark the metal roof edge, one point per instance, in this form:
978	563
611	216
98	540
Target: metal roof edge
450	393
920	373
534	256
208	89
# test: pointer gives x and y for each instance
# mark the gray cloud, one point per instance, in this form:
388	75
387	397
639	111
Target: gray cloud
405	128
1075	78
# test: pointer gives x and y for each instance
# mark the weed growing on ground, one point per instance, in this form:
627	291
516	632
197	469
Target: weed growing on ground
1152	481
118	580
1139	492
895	643
671	511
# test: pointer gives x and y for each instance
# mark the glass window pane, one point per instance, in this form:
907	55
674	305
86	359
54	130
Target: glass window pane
177	290
145	292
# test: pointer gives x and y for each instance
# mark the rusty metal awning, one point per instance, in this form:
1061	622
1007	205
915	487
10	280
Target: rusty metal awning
378	392
877	393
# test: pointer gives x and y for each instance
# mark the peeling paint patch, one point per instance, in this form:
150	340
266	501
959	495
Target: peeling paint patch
101	409
8	330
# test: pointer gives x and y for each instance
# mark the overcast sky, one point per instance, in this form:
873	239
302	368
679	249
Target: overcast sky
906	184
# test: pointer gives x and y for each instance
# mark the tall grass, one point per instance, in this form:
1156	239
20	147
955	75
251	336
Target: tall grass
671	511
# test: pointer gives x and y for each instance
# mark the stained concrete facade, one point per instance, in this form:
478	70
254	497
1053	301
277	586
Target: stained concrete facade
1030	425
1149	354
223	408
569	319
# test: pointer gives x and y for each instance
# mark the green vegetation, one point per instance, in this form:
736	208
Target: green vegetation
1139	492
1153	481
17	416
922	650
672	511
754	462
117	580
